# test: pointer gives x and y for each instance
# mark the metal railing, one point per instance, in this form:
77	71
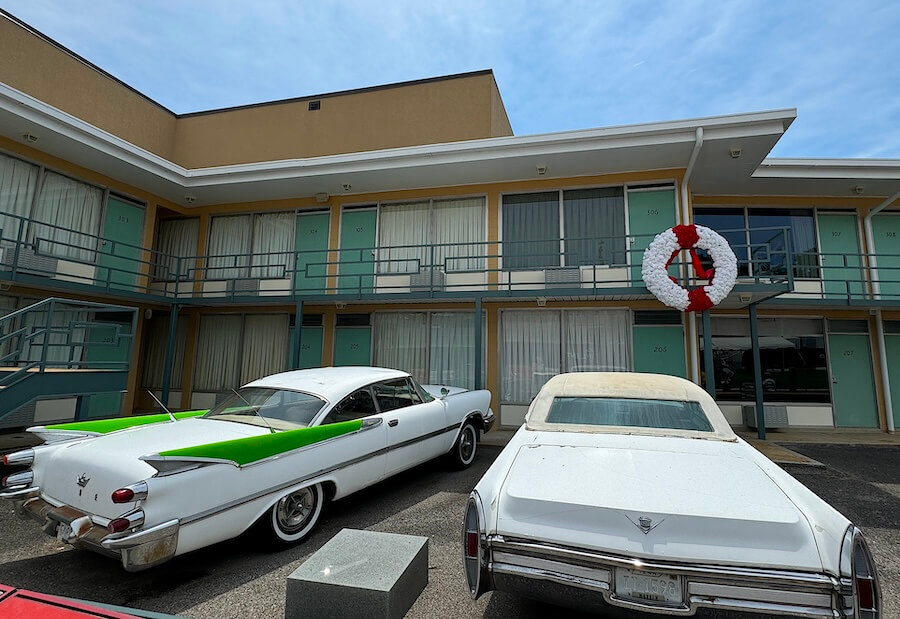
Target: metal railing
62	334
595	266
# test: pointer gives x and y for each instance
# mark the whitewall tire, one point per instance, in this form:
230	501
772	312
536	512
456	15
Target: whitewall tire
295	515
463	452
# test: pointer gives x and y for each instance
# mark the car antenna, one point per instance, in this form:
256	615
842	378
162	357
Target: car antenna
162	406
255	410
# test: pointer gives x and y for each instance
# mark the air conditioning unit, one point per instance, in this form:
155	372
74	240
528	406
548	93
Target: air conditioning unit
243	285
31	261
427	278
776	416
563	278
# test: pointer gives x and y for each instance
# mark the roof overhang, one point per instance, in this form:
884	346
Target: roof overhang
630	148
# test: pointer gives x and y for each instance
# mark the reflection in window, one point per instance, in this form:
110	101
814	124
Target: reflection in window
634	413
792	357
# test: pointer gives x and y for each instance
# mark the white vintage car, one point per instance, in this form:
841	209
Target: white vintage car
145	489
632	490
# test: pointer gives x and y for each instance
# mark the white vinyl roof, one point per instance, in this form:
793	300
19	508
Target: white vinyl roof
330	383
625	385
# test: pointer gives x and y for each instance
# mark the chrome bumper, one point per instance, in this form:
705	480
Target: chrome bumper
138	550
516	565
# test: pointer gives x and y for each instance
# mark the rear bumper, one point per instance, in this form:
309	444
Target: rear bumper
138	550
529	567
488	420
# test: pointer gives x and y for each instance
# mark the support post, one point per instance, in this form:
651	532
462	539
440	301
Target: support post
478	342
297	336
170	354
757	374
708	364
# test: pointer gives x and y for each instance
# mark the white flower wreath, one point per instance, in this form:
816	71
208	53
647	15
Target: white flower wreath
663	249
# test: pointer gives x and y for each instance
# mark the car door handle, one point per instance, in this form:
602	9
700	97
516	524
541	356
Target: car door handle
393	422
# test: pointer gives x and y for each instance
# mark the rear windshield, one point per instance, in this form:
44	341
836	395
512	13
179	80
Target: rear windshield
635	413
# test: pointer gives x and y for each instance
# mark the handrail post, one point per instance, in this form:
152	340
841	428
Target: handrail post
297	339
46	342
757	374
170	353
18	247
478	342
709	366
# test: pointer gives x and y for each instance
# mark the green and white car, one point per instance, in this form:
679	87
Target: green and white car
145	489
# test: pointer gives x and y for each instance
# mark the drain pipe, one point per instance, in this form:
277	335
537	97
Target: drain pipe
876	293
691	319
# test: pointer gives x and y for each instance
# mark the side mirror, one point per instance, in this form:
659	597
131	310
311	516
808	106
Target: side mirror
444	391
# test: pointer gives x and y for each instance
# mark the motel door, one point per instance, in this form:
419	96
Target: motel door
852	380
886	230
357	254
104	351
649	213
892	347
312	242
123	226
839	238
353	346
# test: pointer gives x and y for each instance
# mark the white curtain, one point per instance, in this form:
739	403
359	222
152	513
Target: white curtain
452	351
400	225
176	238
218	348
155	353
265	346
229	242
530	352
273	244
18	180
401	342
597	341
459	221
71	210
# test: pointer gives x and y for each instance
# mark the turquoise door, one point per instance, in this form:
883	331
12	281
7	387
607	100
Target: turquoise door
659	350
892	347
120	251
886	230
312	253
853	384
649	213
106	350
841	271
353	346
310	347
357	251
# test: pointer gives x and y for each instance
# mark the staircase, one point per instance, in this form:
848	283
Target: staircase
62	359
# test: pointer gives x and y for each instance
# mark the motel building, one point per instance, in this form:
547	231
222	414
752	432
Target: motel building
406	226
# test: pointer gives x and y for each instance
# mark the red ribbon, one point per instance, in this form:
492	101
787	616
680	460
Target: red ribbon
687	237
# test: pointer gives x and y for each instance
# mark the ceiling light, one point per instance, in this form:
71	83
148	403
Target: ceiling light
859	189
541	168
735	152
29	137
346	186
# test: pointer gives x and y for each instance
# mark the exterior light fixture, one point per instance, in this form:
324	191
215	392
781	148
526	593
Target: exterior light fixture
541	168
735	152
346	186
29	137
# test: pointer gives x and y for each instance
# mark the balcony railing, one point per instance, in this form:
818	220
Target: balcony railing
608	267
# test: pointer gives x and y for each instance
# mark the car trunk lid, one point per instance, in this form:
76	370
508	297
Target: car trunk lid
656	497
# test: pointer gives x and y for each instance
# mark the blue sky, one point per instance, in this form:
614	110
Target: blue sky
559	65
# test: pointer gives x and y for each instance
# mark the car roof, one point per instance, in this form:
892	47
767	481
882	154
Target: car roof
331	383
629	385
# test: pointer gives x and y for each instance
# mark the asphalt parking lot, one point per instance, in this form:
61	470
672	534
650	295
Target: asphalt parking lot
239	578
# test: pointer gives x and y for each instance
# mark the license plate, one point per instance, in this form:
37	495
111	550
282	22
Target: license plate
650	587
63	532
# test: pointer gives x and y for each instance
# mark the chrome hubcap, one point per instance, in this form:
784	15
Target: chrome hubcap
294	510
467	444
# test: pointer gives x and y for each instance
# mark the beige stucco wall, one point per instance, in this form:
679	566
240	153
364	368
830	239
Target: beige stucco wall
35	66
430	112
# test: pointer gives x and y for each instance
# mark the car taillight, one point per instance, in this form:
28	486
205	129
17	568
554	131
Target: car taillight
134	492
18	458
23	478
865	583
128	521
472	544
472	547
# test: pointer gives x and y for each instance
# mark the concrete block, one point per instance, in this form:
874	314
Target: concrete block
359	574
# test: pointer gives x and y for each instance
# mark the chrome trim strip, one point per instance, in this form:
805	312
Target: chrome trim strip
587	573
758	594
717	572
21	494
127	540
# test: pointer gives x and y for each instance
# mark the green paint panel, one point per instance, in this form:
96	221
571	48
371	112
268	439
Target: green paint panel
649	213
841	263
853	384
886	230
246	450
106	347
123	223
892	347
312	269
353	346
659	350
105	426
356	253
